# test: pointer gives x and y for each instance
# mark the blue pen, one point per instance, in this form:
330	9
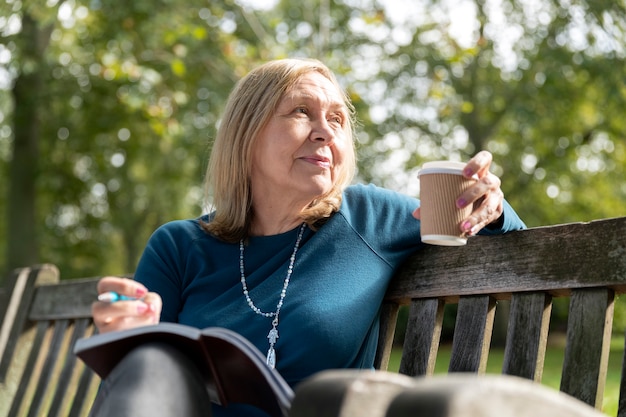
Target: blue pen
112	297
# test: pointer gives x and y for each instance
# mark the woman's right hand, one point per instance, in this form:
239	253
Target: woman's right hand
122	315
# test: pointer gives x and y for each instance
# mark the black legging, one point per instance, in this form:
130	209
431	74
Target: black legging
151	381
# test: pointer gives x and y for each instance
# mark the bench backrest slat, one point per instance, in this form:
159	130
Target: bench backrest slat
86	382
25	381
472	334
70	299
588	343
527	334
15	320
80	327
555	259
422	337
388	320
45	376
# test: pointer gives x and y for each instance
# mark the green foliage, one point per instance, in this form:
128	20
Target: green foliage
544	102
133	92
131	98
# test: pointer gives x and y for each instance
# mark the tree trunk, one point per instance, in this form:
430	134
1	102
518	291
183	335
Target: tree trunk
22	241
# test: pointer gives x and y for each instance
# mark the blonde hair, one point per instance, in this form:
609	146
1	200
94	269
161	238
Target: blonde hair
248	109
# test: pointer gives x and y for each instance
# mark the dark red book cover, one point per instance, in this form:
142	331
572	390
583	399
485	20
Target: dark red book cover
233	368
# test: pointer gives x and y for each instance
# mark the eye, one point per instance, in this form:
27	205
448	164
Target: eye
336	118
301	110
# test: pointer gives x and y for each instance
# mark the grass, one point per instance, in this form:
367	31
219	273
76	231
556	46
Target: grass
552	368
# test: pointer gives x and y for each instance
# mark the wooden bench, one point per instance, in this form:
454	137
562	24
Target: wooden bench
42	317
585	262
522	270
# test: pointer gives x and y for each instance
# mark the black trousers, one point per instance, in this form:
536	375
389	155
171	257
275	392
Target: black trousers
153	380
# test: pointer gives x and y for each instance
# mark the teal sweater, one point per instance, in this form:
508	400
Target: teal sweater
330	314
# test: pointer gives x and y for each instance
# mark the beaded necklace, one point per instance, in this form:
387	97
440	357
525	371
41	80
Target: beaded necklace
272	336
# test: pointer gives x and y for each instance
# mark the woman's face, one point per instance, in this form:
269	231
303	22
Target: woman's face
300	150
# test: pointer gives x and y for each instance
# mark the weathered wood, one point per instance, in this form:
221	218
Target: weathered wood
42	327
3	302
79	329
388	320
27	280
583	261
51	380
85	391
588	342
69	299
422	337
621	409
52	354
472	334
4	293
527	335
554	259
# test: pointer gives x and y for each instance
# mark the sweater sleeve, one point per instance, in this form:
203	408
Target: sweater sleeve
508	222
161	266
383	218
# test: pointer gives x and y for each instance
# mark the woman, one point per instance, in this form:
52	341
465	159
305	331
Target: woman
288	237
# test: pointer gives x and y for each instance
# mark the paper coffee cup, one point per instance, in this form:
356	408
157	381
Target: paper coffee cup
441	184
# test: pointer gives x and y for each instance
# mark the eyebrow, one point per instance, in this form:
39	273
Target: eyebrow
332	103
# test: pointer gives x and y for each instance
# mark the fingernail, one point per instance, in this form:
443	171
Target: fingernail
467	172
142	308
460	203
467	226
140	292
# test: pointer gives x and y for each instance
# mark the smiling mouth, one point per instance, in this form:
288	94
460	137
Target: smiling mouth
320	162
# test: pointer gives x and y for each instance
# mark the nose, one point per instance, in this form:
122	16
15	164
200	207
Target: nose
321	131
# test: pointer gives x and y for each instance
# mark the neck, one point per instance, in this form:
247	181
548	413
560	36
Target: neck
263	226
269	218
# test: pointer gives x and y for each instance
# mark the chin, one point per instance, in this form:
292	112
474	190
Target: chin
312	186
317	192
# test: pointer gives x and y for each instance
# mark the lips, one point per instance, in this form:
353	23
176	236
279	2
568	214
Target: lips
318	160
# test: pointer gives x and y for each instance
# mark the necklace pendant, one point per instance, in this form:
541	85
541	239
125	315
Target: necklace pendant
273	336
271	358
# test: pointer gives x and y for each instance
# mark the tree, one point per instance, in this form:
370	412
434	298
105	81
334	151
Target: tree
130	95
128	99
538	84
24	165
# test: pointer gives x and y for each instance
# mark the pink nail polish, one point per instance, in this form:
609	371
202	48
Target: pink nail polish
460	203
467	226
142	308
140	292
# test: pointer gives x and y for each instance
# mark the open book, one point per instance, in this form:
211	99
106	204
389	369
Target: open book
233	368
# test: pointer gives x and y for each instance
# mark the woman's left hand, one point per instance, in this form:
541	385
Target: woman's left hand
485	195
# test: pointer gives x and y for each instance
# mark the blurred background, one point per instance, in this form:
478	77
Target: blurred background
108	108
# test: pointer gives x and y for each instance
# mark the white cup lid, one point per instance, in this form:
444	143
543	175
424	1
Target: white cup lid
442	167
444	240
